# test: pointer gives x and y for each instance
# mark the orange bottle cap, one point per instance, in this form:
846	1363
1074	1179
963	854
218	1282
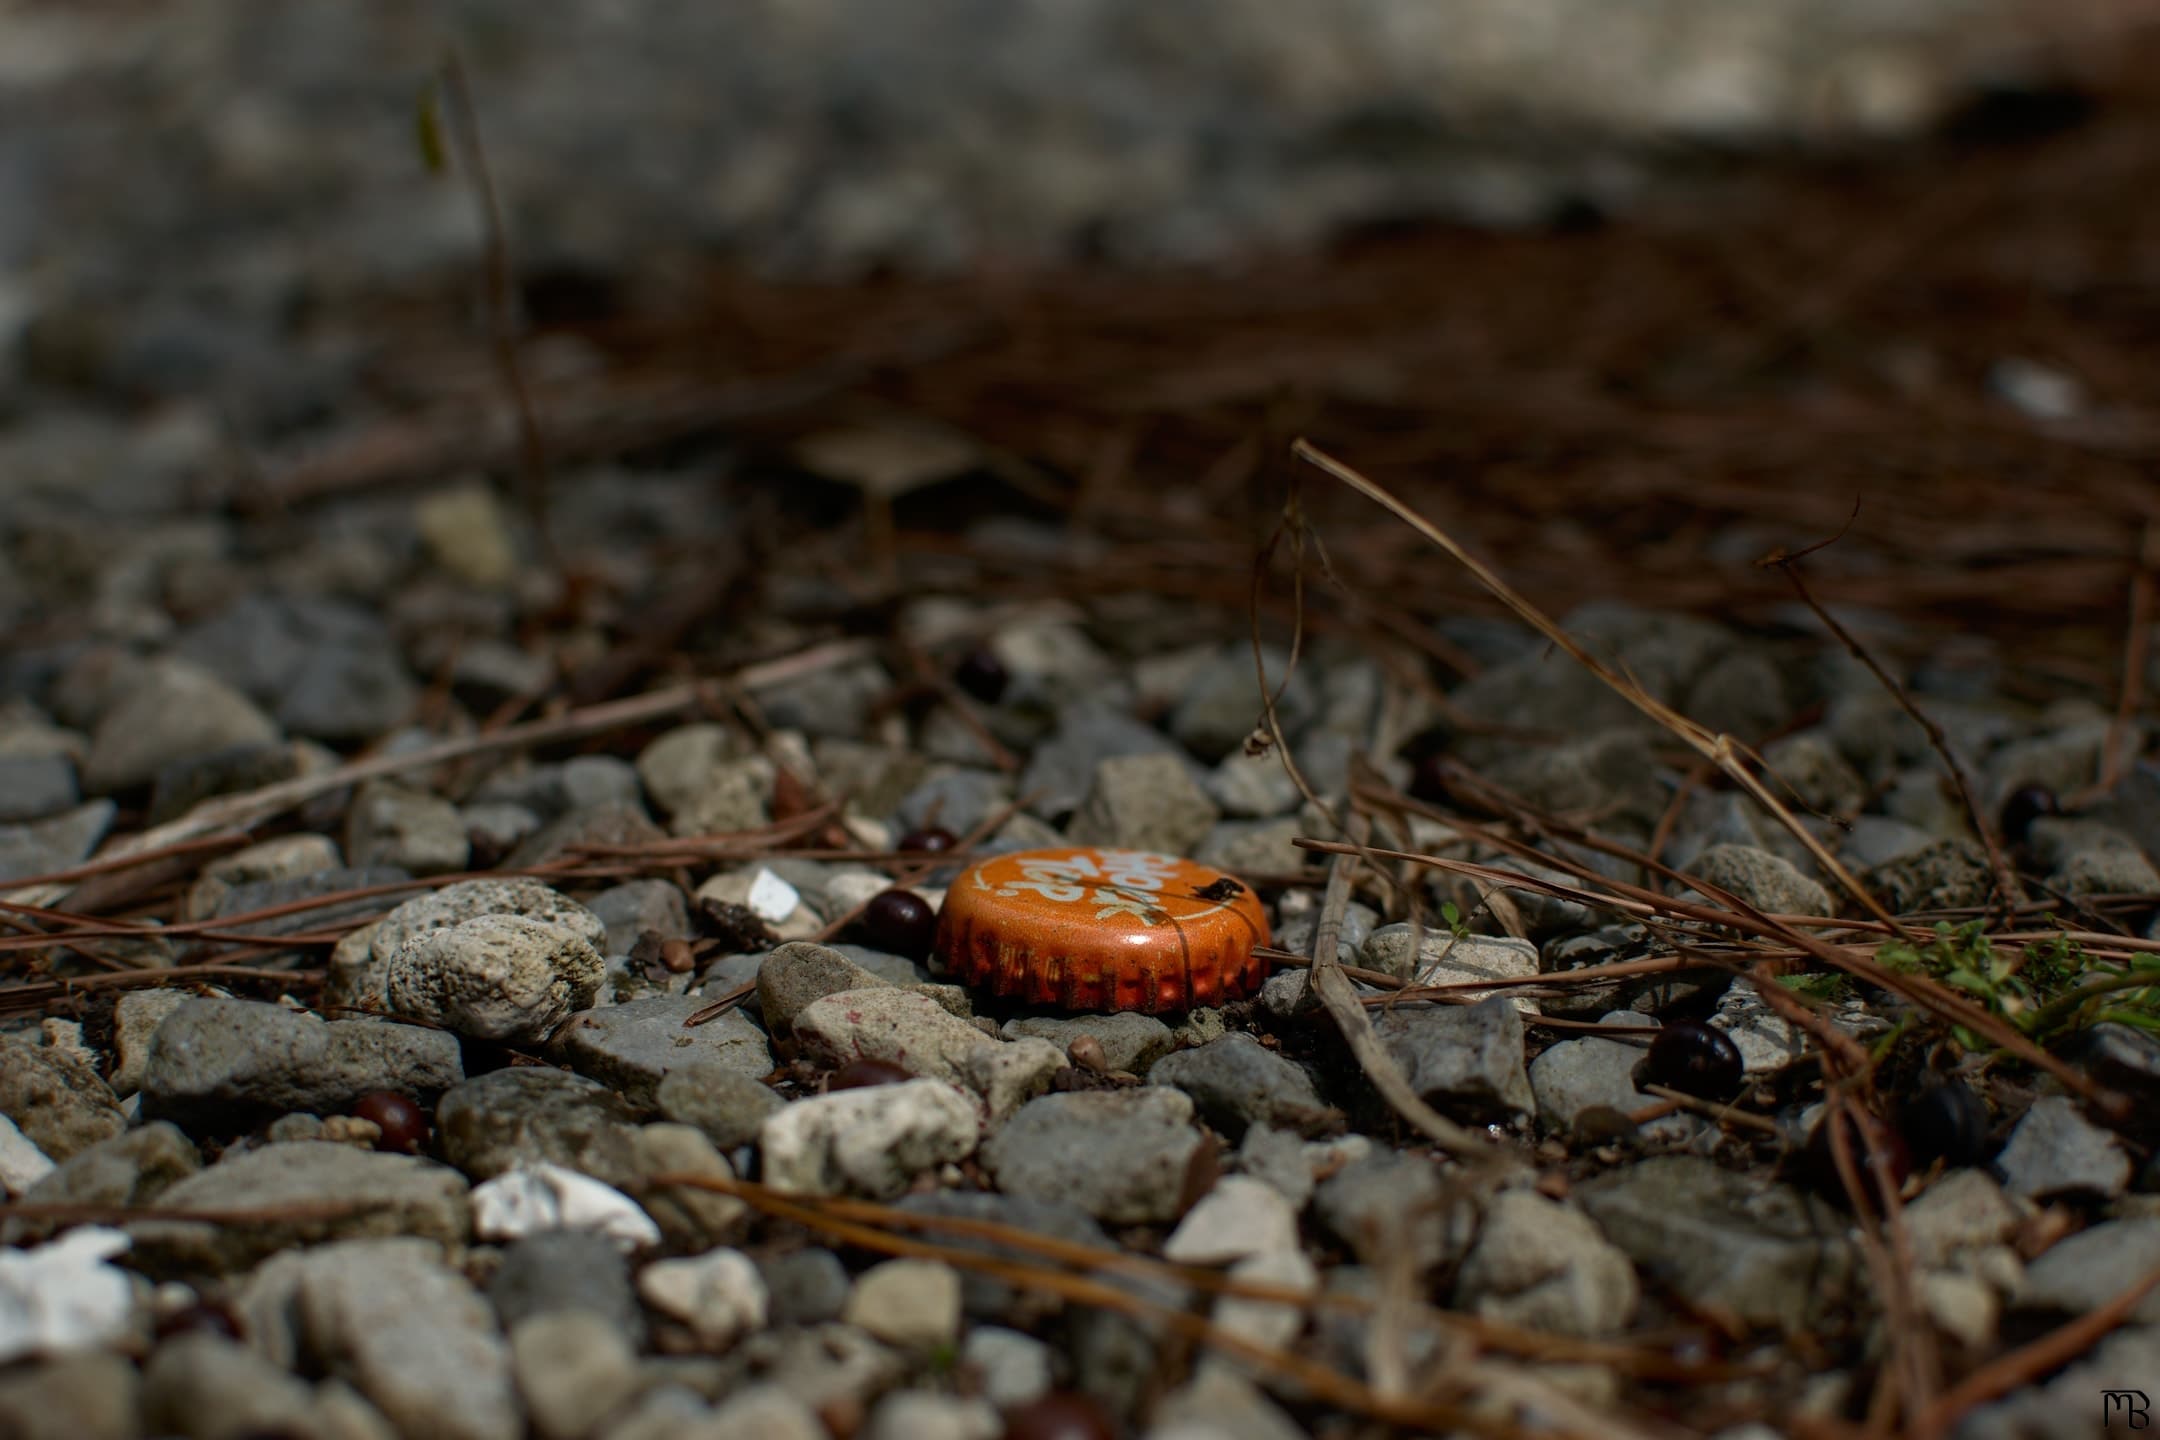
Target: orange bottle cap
1088	929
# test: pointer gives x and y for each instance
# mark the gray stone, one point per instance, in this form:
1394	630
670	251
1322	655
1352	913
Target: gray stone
1758	878
1544	1266
132	1168
1062	768
1947	875
1390	1206
525	1114
927	1415
308	1192
1011	1368
555	1271
282	858
233	1062
1119	1155
2055	1150
60	842
2064	761
870	1141
1595	1071
909	1304
1258	787
1222	702
1465	1061
985	1296
1963	1211
391	824
1255	847
958	800
1217	1404
412	1335
1130	1042
573	1370
1239	1217
631	909
1741	694
1444	958
806	1287
763	1412
2078	1275
56	1098
2065	1407
86	1396
1612	775
825	1365
254	895
207	1386
677	767
35	786
631	1048
497	977
1236	1082
175	711
595	825
1358	923
1873	840
2085	857
494	830
1143	802
736	796
728	1105
797	973
331	670
1767	1041
1808	763
689	1216
1765	1252
835	702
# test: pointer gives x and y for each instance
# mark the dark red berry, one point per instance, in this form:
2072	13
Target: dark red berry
1695	1059
403	1123
2024	805
981	674
931	839
203	1317
1946	1122
901	922
1060	1415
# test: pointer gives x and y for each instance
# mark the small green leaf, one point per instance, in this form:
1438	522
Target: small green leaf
1451	913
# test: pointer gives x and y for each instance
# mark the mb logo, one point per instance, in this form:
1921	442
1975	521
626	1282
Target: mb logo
2131	1405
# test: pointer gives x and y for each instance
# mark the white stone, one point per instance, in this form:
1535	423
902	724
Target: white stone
870	1141
1240	1217
720	1295
538	1197
1273	1323
1013	1368
63	1295
771	898
22	1164
1962	1306
927	1415
911	1304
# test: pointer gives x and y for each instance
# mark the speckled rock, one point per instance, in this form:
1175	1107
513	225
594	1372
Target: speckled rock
56	1098
728	1105
1768	882
416	831
1543	1265
497	977
793	975
470	899
1465	1060
175	711
915	1033
1446	959
1144	802
1130	1042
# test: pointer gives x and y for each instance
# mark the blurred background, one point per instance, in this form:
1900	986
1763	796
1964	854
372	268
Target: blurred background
1626	293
